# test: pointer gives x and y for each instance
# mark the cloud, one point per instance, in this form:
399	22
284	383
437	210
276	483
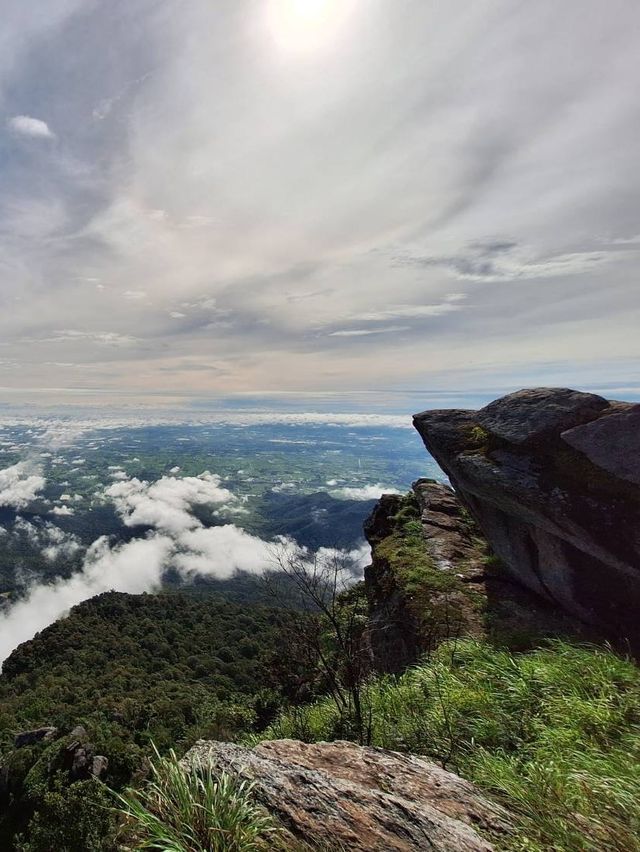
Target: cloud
103	338
300	195
49	539
20	484
62	511
134	567
410	312
507	261
178	540
363	332
365	492
139	565
221	551
25	125
167	503
355	560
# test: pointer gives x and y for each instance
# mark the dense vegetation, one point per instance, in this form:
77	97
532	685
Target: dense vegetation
553	733
166	668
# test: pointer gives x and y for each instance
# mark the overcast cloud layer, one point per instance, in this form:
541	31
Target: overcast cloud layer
200	198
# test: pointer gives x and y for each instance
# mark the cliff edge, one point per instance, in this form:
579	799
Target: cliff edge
552	478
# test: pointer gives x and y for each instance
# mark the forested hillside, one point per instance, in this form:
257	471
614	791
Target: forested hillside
166	668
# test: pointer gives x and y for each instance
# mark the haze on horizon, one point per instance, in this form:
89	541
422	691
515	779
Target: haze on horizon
201	199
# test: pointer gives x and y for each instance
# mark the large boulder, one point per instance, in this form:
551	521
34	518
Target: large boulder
552	476
343	796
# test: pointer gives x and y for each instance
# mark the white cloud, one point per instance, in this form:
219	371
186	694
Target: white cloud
62	511
19	485
356	559
508	261
135	295
167	503
104	338
221	551
365	492
364	332
293	224
25	125
178	540
133	567
49	539
410	312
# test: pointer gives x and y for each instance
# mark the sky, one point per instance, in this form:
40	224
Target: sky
313	197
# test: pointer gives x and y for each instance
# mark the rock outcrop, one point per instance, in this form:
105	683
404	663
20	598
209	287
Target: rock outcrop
343	796
433	577
421	584
552	477
79	757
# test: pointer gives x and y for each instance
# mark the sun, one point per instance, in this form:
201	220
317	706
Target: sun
305	25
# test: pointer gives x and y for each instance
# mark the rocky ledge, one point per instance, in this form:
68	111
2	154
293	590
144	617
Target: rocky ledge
343	796
552	477
433	577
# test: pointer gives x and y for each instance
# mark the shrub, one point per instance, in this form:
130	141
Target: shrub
181	810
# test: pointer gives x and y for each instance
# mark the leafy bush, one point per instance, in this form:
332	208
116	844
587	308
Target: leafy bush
181	810
554	734
72	818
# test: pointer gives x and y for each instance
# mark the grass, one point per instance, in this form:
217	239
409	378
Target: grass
553	734
193	810
404	549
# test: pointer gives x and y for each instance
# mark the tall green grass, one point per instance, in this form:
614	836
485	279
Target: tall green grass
181	810
554	734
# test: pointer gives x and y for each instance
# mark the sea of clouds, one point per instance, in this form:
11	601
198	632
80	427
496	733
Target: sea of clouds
174	538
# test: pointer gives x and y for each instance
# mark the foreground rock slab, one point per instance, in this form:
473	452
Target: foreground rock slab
345	796
552	477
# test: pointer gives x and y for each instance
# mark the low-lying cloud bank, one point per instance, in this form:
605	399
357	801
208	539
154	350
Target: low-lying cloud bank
177	540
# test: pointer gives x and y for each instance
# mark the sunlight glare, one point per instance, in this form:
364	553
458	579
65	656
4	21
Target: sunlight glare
305	25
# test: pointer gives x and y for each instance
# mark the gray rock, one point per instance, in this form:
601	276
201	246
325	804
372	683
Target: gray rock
341	795
79	733
26	738
483	601
531	415
559	508
81	761
612	442
99	765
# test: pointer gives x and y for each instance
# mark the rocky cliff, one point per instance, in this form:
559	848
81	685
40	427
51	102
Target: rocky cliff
433	577
425	580
552	477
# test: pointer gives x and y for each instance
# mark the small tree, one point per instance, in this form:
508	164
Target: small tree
328	625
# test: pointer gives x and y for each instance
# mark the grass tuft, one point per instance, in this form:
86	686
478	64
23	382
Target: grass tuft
181	810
